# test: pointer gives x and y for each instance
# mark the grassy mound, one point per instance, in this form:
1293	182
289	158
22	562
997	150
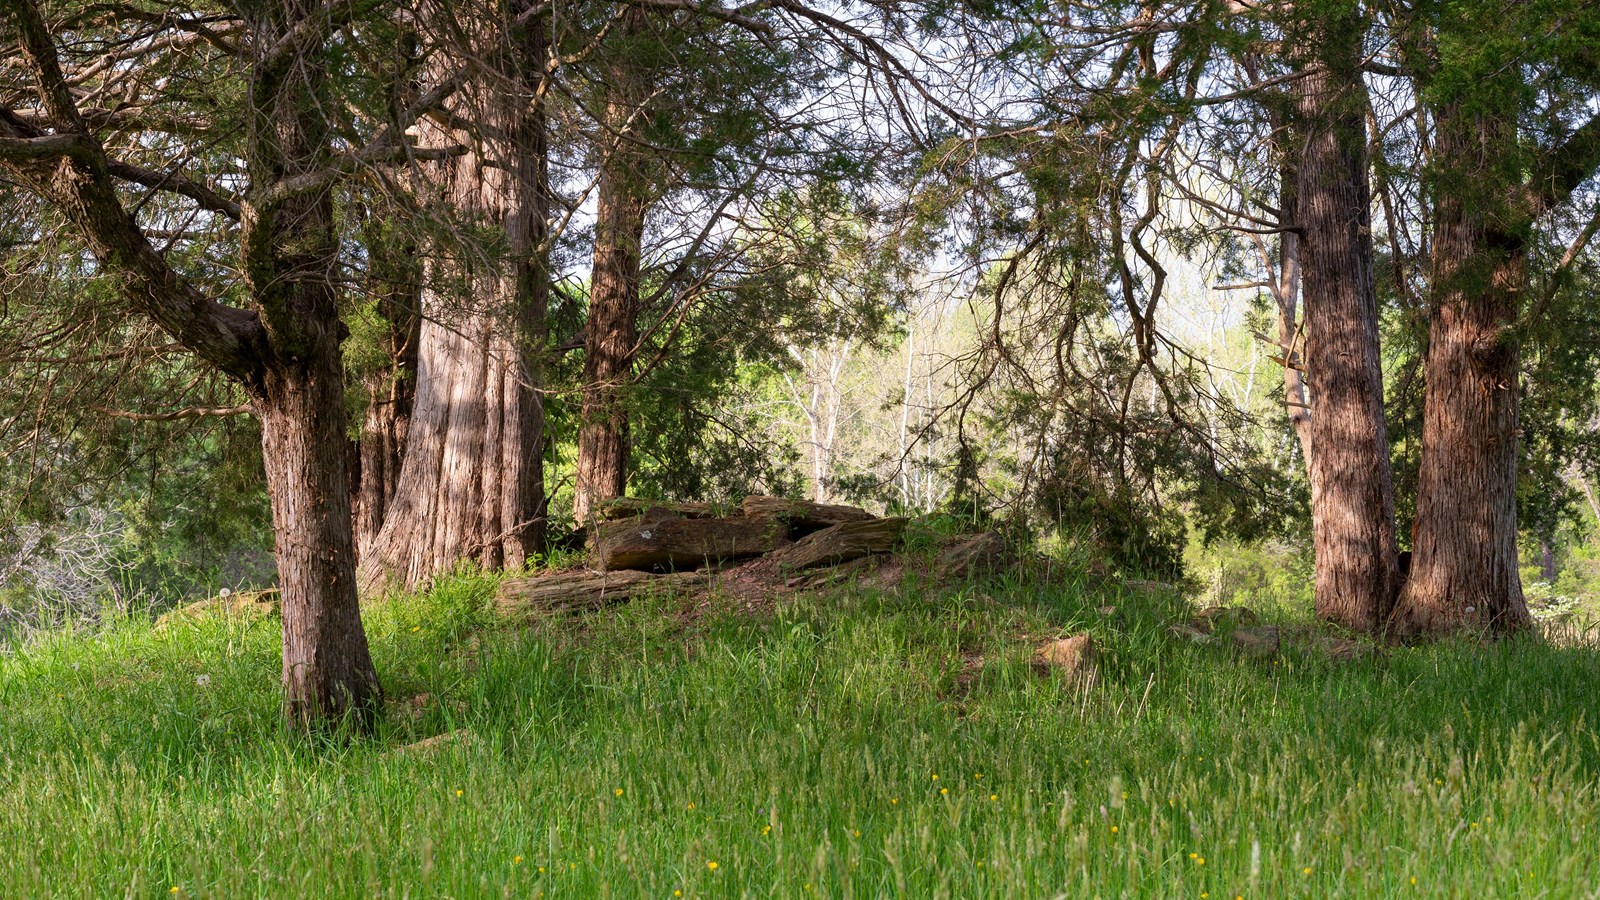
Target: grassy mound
855	743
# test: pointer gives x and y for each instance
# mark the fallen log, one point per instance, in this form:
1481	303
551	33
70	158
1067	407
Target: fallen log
803	516
627	507
584	591
840	543
658	543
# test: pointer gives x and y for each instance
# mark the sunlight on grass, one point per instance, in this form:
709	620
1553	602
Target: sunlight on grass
836	745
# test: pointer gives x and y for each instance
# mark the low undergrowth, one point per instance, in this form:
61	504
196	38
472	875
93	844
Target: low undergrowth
851	744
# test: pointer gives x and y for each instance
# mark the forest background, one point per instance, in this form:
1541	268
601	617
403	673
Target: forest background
1028	267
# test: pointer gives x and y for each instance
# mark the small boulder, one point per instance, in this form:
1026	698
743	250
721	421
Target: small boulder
978	556
1214	618
1188	632
1260	642
1075	658
461	737
246	604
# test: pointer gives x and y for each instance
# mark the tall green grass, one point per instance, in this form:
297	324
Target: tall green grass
842	745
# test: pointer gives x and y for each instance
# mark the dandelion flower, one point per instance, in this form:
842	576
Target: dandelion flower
711	864
1113	829
1306	870
416	628
459	793
516	860
766	830
541	870
619	792
856	832
943	791
1413	881
677	893
994	798
894	801
1201	861
936	778
979	776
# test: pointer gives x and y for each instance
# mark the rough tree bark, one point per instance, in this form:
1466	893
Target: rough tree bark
1464	566
1464	574
1352	492
471	486
612	332
285	352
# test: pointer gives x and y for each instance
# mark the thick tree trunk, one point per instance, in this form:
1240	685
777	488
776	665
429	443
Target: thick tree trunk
1464	574
612	331
1352	492
327	670
471	486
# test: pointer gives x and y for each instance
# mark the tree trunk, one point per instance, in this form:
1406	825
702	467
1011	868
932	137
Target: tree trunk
1352	492
471	486
327	670
612	331
1286	293
1464	574
285	352
396	283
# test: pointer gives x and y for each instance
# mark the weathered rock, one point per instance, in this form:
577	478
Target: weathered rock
461	737
627	507
657	543
1213	618
803	516
1075	658
1188	632
583	591
978	556
841	543
1256	641
247	604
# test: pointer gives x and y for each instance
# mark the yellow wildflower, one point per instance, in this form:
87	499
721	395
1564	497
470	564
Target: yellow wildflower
619	792
711	864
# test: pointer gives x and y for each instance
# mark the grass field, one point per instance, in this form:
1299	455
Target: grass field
840	745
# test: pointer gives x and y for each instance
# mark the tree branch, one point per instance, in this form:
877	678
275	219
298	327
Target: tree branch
188	412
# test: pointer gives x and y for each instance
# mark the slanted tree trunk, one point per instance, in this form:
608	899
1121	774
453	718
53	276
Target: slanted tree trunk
1464	574
284	352
471	486
1352	492
611	334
